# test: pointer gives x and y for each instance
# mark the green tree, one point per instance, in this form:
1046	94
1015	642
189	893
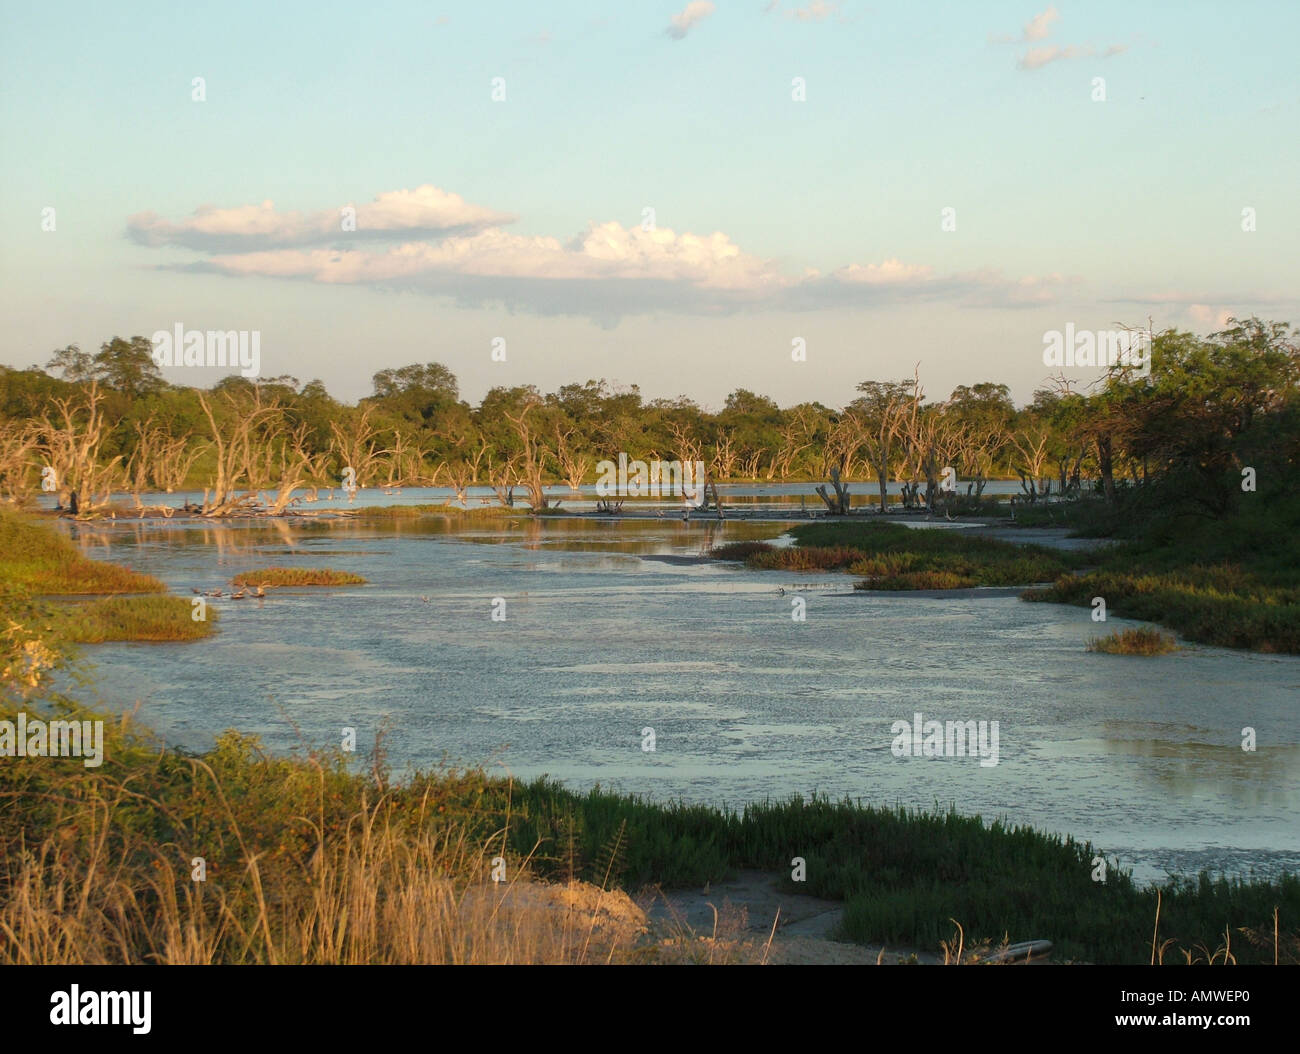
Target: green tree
127	367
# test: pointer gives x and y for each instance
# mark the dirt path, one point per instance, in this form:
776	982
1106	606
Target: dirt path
738	916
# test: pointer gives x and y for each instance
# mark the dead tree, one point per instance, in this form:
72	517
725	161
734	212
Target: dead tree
573	466
530	462
160	460
1031	447
237	449
688	447
19	443
797	435
460	474
356	447
72	442
501	479
839	505
298	466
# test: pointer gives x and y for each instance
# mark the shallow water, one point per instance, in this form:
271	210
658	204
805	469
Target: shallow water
1140	756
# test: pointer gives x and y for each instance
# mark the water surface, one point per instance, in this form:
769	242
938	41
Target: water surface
1141	756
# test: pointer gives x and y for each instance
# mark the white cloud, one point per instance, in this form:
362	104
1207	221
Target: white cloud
424	211
815	11
694	12
1038	27
1210	319
605	272
891	271
1036	58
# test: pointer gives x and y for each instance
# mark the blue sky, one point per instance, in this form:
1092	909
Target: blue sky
774	218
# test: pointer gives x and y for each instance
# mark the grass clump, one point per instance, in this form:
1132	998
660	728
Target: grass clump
149	618
919	580
740	550
297	576
1141	641
890	556
804	558
36	558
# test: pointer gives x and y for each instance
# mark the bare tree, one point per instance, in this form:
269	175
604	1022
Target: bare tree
530	461
460	474
160	460
573	466
882	418
356	445
236	447
688	446
297	466
1030	445
72	442
839	505
798	433
19	442
725	454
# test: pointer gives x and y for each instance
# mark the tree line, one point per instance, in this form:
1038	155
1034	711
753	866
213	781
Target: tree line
1214	412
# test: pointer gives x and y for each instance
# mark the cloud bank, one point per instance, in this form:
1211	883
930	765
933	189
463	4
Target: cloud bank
432	241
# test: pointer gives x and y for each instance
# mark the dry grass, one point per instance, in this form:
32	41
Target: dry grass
295	576
371	897
380	887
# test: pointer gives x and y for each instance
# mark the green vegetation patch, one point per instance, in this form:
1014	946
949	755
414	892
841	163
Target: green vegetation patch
297	576
36	558
137	618
1142	641
1233	583
890	556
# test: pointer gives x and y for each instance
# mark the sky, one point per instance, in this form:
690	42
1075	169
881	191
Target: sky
674	195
